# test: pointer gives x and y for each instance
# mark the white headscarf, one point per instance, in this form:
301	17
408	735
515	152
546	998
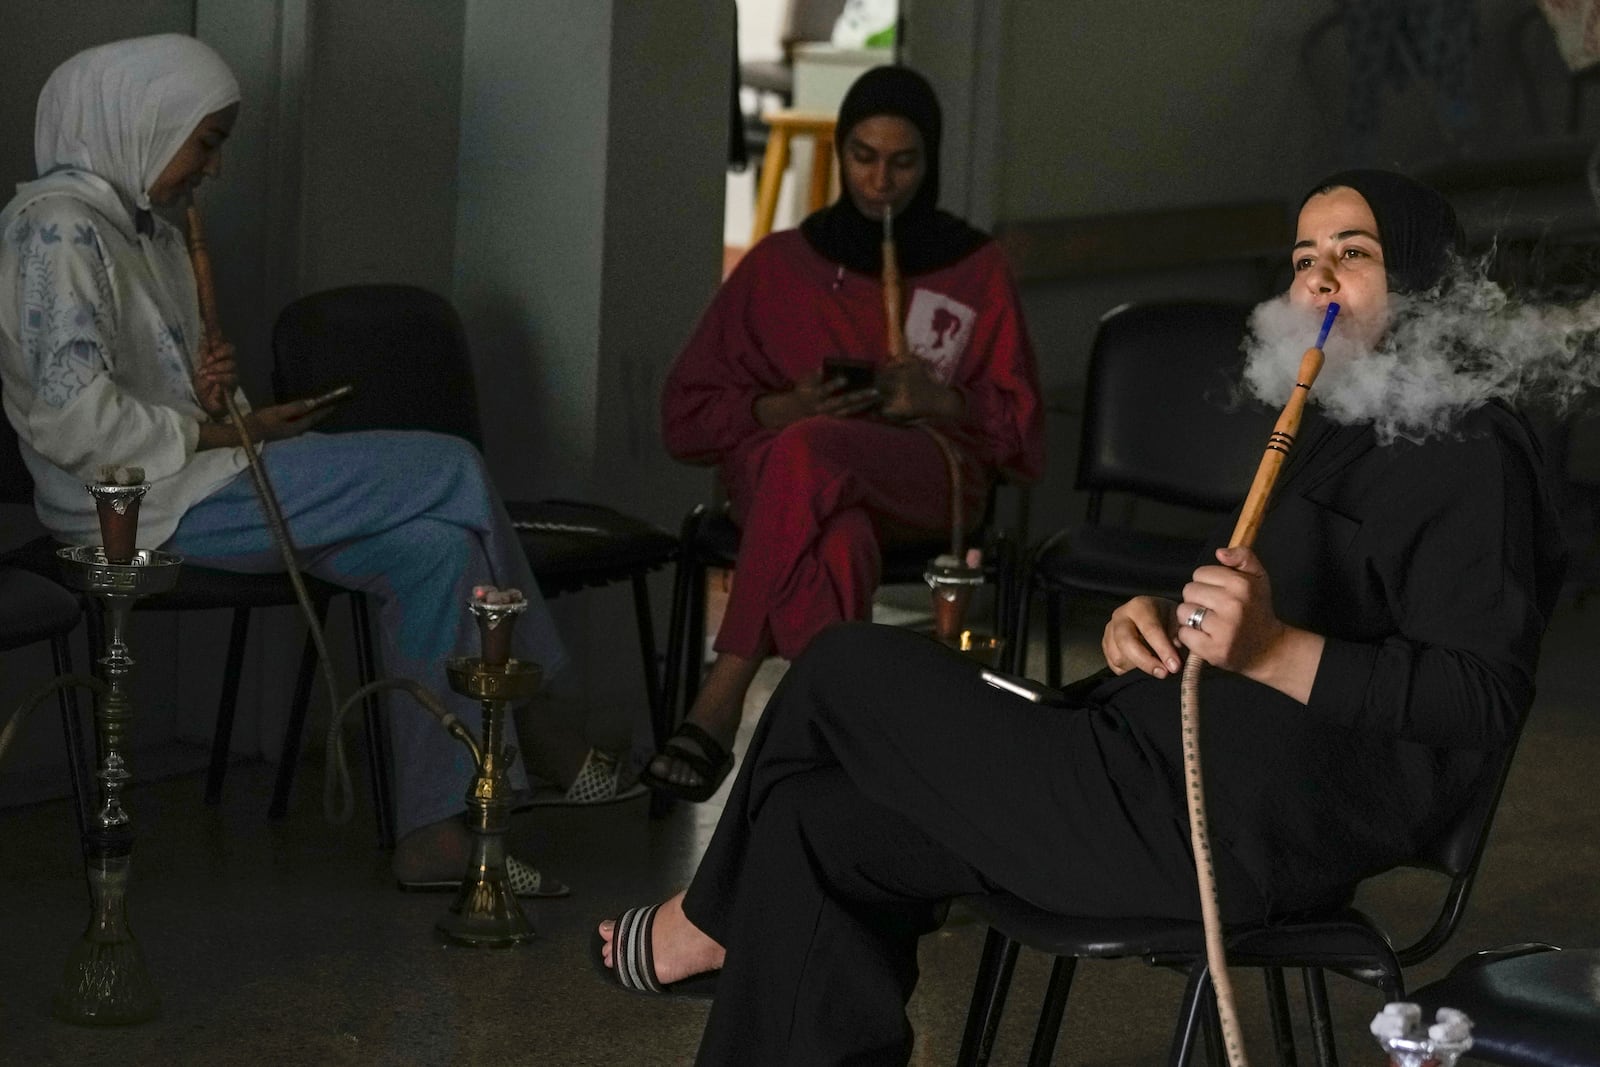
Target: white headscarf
122	110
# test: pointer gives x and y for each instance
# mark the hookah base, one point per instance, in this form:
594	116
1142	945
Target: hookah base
486	914
106	983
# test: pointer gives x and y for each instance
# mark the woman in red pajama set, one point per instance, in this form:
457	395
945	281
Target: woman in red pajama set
819	474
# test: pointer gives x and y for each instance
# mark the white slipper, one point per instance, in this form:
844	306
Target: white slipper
599	781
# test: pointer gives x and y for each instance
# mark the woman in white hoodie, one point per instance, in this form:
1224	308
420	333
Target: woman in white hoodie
104	361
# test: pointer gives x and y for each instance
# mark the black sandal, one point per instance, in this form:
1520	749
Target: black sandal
711	764
634	968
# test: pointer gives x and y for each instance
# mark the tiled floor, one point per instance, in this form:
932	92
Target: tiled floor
287	943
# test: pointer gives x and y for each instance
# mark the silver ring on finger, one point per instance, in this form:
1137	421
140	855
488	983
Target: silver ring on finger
1196	617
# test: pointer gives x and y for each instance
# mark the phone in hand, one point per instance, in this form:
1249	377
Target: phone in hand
1026	688
858	374
332	396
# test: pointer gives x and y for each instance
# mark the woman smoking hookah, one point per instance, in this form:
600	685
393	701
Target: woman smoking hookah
103	360
1354	700
819	472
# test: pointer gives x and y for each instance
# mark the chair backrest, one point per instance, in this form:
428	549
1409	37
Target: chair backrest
402	347
1160	418
1456	852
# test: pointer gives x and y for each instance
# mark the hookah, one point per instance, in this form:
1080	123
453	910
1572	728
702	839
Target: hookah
1244	535
106	981
1398	1028
952	577
486	911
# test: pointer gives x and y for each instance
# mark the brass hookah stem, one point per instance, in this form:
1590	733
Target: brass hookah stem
1244	536
206	291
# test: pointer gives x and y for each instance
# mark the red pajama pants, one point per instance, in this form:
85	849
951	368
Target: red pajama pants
814	502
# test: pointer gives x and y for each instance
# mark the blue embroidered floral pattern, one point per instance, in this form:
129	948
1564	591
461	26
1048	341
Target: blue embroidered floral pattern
63	328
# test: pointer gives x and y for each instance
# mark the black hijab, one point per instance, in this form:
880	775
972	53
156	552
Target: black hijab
1416	225
925	238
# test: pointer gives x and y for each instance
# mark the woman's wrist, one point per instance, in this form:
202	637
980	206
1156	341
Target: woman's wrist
1290	664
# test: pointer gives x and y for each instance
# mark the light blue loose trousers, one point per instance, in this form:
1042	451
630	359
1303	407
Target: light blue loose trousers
411	519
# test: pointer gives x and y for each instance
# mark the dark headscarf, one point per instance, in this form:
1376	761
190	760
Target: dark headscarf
1416	225
926	238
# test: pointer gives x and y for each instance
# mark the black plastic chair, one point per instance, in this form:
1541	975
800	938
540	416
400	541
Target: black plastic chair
205	589
1160	423
1531	1005
1340	939
33	610
710	539
406	352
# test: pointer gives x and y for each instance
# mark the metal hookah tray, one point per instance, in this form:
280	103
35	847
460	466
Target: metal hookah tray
150	571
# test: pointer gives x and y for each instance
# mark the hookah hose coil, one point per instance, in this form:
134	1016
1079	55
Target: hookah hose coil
1244	536
205	291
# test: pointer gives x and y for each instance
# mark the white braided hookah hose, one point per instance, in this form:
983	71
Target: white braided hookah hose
1244	536
205	290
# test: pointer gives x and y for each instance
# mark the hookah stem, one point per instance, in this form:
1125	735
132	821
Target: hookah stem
1244	536
891	292
206	291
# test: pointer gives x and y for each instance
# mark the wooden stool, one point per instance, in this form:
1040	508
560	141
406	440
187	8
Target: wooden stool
784	125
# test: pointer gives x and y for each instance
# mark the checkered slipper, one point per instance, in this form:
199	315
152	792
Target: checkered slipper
524	879
599	781
635	968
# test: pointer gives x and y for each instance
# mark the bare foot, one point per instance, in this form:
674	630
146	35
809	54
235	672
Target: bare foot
678	947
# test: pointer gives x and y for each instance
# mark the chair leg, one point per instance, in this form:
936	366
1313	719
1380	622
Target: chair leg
377	734
647	649
1052	639
1211	1024
1278	1009
294	731
677	637
1021	602
1321	1018
988	999
1191	1012
695	635
222	736
1055	1006
79	769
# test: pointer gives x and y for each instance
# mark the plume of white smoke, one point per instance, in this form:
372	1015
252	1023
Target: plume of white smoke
1447	351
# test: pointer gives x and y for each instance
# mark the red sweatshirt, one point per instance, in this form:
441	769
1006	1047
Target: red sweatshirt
785	308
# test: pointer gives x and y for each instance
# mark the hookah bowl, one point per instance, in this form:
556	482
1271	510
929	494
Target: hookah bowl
105	980
486	912
952	581
1410	1043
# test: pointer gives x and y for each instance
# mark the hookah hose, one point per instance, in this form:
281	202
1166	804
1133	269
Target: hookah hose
952	462
32	697
205	290
899	353
338	797
1244	536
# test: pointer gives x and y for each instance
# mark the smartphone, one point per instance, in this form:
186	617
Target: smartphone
857	374
1026	688
332	396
